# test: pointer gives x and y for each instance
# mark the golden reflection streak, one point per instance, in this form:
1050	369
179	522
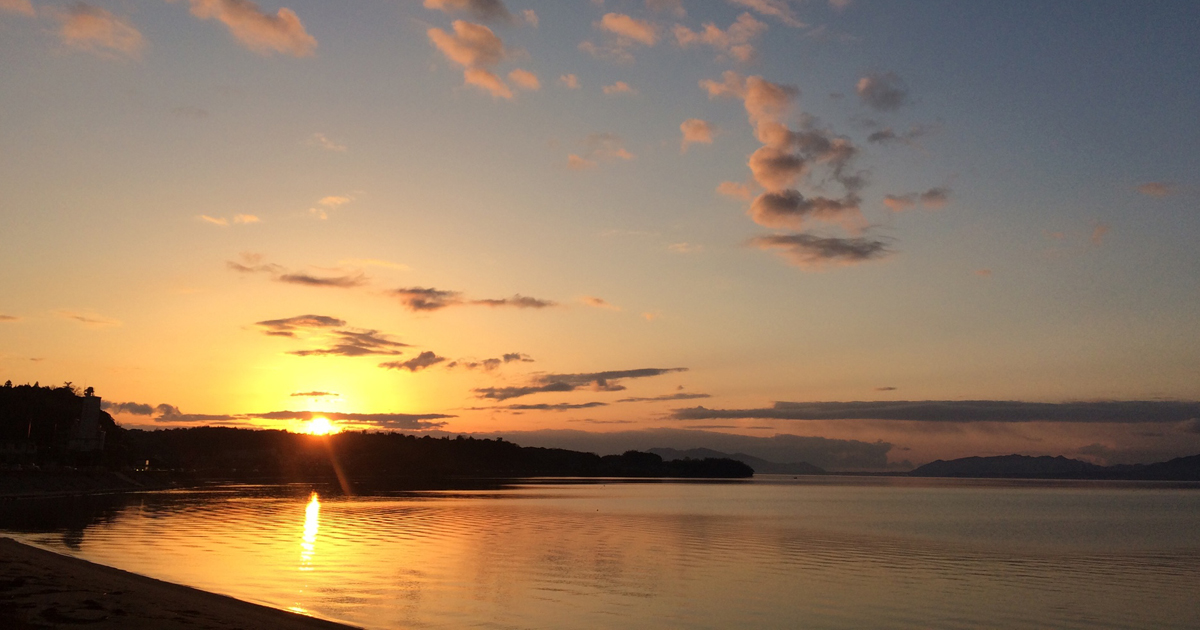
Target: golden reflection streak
312	523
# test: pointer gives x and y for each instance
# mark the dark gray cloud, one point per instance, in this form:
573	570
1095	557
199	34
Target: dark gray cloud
789	208
1191	425
886	388
597	381
888	136
554	407
313	394
883	92
355	343
343	281
961	411
137	409
288	327
675	396
828	453
815	252
253	263
490	11
426	299
420	362
516	301
490	364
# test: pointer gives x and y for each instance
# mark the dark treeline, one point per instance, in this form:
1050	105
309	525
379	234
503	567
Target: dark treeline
45	416
1045	467
379	456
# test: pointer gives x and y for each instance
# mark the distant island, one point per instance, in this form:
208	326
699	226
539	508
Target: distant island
1046	467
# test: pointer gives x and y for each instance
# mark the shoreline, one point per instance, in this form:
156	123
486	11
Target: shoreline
44	589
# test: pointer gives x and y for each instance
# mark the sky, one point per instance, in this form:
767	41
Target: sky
911	230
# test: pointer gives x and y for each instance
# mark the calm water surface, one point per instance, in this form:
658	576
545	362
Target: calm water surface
774	552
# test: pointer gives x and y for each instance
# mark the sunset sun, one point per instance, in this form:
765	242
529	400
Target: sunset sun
321	426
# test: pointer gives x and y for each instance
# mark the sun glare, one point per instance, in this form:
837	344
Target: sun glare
321	426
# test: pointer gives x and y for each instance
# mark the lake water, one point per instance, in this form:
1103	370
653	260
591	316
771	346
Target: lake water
772	552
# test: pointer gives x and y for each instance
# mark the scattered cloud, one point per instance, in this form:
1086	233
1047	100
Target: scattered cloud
87	318
596	302
288	327
888	136
570	81
1157	189
261	32
426	299
97	31
525	79
23	7
313	394
246	218
696	131
675	396
735	41
553	407
327	204
131	408
9	318
344	281
883	92
491	11
595	381
620	87
516	301
685	248
416	364
488	365
790	208
962	411
253	263
477	49
651	315
933	199
223	222
598	148
737	190
983	273
531	17
628	28
808	251
322	141
354	342
778	9
885	389
1099	232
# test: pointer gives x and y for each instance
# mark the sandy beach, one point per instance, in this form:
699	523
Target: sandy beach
42	589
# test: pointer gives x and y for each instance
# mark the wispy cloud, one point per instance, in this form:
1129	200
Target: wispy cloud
419	299
239	219
253	263
1156	189
329	203
313	394
735	41
812	252
594	381
289	326
675	396
516	301
1099	232
22	7
888	136
258	31
321	140
883	91
416	364
599	148
491	11
88	318
97	31
737	190
354	342
962	411
696	131
623	34
778	9
620	87
596	302
491	364
9	318
525	80
569	81
934	199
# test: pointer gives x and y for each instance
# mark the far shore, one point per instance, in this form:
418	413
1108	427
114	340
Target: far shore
43	589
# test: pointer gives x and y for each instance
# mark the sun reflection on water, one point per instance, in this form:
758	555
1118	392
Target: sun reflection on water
312	522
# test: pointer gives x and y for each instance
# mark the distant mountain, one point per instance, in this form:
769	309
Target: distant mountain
759	465
1045	467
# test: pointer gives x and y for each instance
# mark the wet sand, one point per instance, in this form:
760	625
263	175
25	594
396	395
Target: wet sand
42	589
